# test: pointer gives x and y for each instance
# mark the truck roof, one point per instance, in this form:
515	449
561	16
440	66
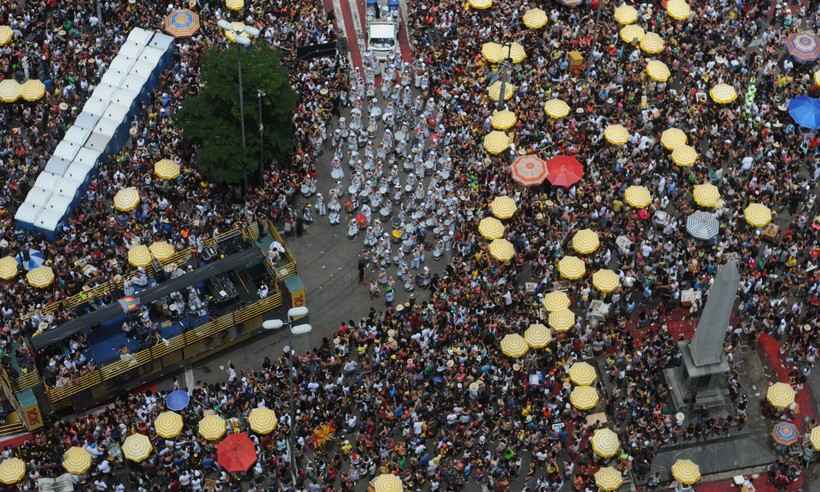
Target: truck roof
382	30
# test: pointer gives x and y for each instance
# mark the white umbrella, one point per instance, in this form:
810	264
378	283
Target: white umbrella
702	225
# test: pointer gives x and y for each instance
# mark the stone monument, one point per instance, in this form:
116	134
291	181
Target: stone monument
701	382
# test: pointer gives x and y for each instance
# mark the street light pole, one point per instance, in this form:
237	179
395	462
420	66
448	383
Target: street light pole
260	94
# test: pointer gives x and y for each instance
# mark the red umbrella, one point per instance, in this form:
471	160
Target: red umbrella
236	453
361	219
564	171
529	170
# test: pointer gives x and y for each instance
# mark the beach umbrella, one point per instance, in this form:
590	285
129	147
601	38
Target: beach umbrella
513	345
263	420
556	108
529	170
137	447
637	196
672	138
571	267
585	241
785	433
9	91
235	5
139	256
212	427
502	250
535	19
386	482
678	9
815	438
40	277
652	43
605	443
625	14
480	4
494	91
561	321
608	478
684	155
516	52
491	228
496	142
564	171
632	33
687	472
616	134
503	207
803	46
805	111
706	195
606	281
161	250
181	23
723	93
32	90
76	460
780	395
236	453
12	470
503	120
8	268
6	34
166	169
126	199
582	374
702	225
657	70
537	336
584	397
168	425
493	52
757	215
177	400
556	301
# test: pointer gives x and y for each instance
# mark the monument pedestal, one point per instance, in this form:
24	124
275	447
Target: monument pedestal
698	386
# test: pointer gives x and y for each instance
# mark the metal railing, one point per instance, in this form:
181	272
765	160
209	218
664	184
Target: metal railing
289	268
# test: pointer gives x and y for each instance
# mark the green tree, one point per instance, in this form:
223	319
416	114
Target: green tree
211	119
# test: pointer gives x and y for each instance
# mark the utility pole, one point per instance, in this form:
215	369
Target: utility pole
259	95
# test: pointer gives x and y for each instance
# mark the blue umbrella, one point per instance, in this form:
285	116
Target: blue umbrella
805	111
177	400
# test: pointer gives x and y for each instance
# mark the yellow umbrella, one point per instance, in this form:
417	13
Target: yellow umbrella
126	199
672	138
723	93
780	395
585	241
625	14
212	427
757	215
513	345
137	448
139	256
535	19
12	470
678	9
503	120
616	134
491	228
556	301
815	438
652	43
637	196
496	142
494	91
571	268
493	52
5	35
502	250
582	374
161	250
166	169
9	91
605	443
608	478
706	195
263	420
8	268
605	280
562	320
32	90
76	460
684	155
516	52
480	4
537	336
584	397
503	207
386	482
687	472
168	425
632	33
556	108
657	71
234	5
41	277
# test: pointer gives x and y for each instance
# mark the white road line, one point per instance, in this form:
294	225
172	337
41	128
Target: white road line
189	379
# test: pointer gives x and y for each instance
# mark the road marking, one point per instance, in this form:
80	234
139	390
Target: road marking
189	379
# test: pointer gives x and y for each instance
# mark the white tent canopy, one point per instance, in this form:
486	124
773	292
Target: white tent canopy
49	219
66	150
87	157
103	92
77	135
67	188
46	181
58	203
95	107
78	172
86	121
139	36
107	127
115	112
98	142
27	213
57	166
161	41
114	77
38	196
